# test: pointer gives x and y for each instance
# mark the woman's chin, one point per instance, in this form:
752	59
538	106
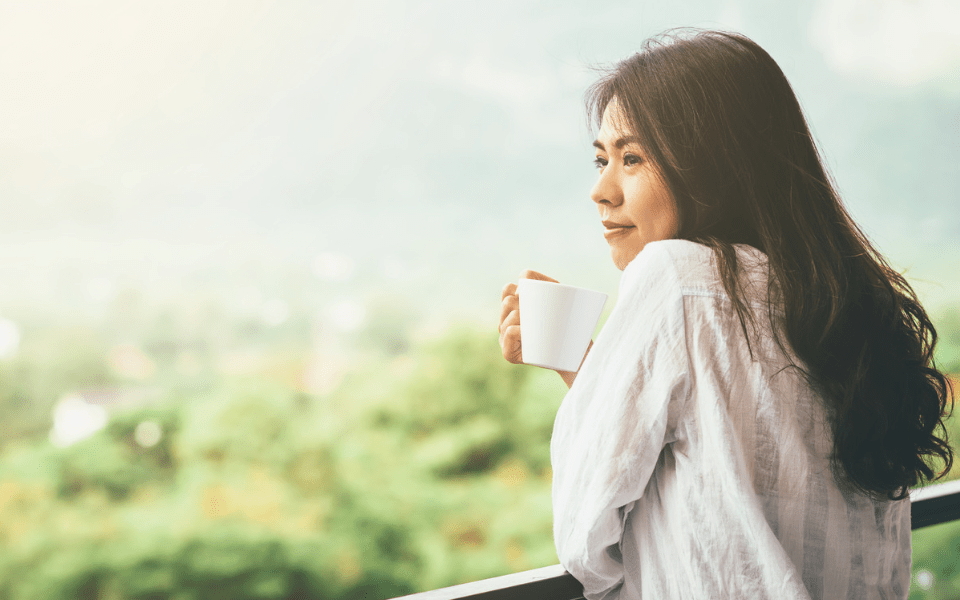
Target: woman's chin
623	256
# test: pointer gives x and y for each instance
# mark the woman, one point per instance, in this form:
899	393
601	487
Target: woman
758	403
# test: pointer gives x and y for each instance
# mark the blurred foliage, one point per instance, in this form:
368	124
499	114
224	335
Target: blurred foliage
51	361
387	327
421	469
418	471
948	339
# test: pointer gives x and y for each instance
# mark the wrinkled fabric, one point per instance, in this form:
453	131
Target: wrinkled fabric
684	467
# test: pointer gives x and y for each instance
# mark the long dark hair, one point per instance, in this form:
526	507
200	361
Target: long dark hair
716	114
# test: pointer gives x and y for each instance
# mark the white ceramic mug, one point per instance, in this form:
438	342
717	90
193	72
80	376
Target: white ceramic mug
557	322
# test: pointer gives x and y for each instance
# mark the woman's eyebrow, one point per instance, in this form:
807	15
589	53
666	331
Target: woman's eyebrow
620	143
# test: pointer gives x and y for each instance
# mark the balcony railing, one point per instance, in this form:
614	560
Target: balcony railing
931	505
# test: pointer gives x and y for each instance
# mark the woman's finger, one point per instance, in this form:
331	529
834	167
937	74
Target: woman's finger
510	336
510	344
508	305
508	290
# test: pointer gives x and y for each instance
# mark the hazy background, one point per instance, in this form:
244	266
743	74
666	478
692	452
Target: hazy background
239	239
429	150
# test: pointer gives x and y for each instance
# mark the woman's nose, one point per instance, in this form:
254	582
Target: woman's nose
606	190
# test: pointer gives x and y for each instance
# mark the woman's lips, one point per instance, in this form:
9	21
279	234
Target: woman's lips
612	230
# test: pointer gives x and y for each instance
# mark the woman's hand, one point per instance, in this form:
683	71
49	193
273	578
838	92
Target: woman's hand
510	317
510	343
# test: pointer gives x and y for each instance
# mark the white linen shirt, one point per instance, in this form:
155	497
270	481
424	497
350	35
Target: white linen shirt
685	468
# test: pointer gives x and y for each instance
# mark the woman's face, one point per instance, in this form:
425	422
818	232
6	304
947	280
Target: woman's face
634	203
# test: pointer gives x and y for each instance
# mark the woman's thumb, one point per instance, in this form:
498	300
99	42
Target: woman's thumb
528	274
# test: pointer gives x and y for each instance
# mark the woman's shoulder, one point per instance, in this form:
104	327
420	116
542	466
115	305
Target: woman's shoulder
693	266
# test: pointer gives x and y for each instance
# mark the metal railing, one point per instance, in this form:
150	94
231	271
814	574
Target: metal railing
930	505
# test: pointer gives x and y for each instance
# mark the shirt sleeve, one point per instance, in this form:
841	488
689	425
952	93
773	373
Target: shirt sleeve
622	410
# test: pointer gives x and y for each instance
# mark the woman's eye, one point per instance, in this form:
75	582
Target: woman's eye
599	162
631	159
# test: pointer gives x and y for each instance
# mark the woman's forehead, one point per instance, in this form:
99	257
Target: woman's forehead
613	118
615	125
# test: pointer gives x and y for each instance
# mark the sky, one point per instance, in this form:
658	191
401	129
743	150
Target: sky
426	149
